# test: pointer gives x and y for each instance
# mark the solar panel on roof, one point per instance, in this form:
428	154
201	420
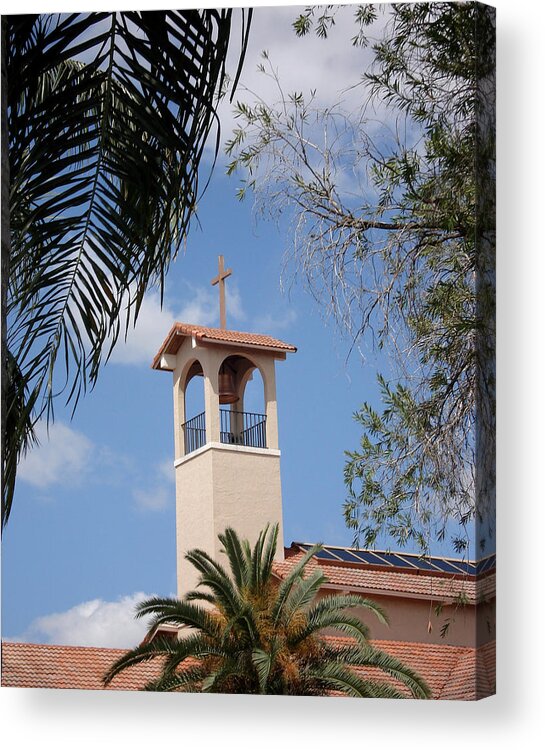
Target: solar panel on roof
419	562
344	554
323	554
391	559
446	566
404	560
365	556
467	567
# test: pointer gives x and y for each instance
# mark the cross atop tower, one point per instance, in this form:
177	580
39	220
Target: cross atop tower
220	279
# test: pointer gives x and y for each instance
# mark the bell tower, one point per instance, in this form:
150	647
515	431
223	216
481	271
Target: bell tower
227	459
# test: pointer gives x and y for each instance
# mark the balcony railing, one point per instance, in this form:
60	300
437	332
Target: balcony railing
243	428
194	433
236	428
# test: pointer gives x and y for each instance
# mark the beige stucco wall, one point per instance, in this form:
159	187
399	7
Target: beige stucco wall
220	486
409	617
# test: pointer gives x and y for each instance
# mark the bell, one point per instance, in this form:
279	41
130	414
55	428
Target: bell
228	394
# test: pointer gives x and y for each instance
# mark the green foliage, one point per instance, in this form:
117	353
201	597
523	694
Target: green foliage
108	115
405	259
256	635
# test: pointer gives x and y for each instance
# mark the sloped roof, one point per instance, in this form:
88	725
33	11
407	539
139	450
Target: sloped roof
370	579
450	671
203	334
81	667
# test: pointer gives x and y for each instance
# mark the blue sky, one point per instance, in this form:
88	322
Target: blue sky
92	527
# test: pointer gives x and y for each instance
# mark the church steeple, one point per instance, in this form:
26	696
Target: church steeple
227	459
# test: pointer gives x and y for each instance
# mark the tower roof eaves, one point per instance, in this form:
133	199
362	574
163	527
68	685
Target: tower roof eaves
207	336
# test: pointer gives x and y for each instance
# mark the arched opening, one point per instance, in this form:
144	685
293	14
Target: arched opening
242	403
254	392
194	426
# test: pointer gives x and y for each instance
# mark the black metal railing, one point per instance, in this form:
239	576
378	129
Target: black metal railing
236	428
194	433
243	428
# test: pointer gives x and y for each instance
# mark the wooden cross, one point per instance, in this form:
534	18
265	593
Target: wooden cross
220	279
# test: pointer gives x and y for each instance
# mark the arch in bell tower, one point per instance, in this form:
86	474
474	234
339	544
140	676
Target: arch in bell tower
240	423
192	407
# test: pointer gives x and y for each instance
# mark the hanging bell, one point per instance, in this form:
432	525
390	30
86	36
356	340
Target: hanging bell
227	390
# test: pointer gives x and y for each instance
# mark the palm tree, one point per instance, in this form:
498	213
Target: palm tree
105	117
246	632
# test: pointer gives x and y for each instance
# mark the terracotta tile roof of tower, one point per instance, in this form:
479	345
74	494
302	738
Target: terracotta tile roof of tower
204	335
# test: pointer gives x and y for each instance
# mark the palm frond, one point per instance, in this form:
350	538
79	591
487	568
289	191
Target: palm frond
158	647
287	584
239	557
258	636
373	657
191	646
263	661
19	425
269	552
215	578
188	681
350	601
336	619
257	578
108	116
301	595
336	676
175	611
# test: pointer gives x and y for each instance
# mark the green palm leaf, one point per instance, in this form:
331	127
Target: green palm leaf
182	613
239	557
336	676
290	580
259	636
108	117
146	651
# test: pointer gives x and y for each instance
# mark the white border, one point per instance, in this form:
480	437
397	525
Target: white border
61	719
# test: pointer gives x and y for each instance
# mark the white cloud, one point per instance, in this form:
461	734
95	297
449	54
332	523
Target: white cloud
159	496
62	457
331	68
93	623
233	303
166	470
143	341
154	321
276	323
156	498
201	309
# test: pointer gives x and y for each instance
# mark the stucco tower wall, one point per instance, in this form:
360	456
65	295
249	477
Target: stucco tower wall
194	516
223	486
247	494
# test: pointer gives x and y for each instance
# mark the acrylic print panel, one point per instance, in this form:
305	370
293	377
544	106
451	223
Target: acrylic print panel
289	214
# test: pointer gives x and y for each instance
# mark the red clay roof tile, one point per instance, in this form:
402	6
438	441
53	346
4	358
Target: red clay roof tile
49	666
358	578
452	672
179	331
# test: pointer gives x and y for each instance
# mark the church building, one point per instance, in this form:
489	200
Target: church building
227	463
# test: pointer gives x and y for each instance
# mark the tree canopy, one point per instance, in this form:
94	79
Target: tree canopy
244	631
392	210
105	118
